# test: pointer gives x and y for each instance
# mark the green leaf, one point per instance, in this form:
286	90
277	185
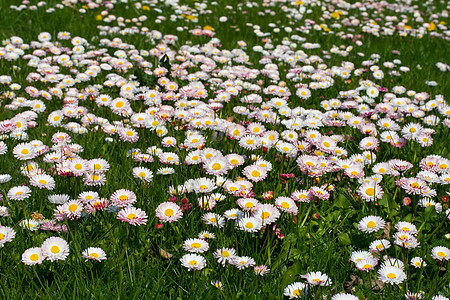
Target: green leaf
344	238
342	201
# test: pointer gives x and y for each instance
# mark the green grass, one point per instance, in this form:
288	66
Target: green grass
321	237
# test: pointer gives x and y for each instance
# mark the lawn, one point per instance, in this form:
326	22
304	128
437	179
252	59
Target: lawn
224	149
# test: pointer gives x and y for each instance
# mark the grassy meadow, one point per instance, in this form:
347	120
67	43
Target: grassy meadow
224	149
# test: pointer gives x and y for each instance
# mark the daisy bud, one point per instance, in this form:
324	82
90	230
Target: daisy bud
406	201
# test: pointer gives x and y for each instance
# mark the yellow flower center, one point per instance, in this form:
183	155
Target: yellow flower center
169	212
193	263
285	205
371	224
265	215
131	216
391	276
73	207
34	256
370	191
54	249
256	173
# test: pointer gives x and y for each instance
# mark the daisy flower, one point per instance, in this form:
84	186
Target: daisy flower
370	191
143	174
406	227
439	297
250	142
413	296
295	290
19	193
317	278
427	202
123	198
440	253
371	224
132	215
233	214
206	235
379	245
169	141
24	151
94	179
417	262
206	202
301	196
5	178
242	262
255	173
287	205
354	171
98	165
169	212
217	166
344	296
247	204
3	148
43	181
224	255
29	224
204	185
196	245
32	256
360	255
391	275
55	248
214	219
4	211
261	270
249	224
165	171
93	253
394	262
88	196
218	284
406	240
71	209
319	192
366	264
193	262
7	234
266	213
